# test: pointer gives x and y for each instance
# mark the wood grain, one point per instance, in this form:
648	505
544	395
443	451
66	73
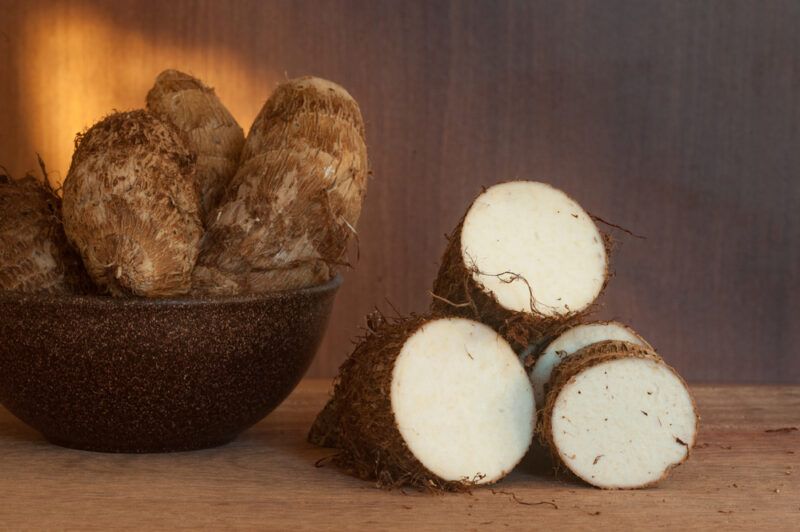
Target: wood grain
739	477
677	119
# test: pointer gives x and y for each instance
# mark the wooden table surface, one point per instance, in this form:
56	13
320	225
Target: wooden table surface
743	473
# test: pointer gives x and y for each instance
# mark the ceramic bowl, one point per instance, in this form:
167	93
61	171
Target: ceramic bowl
135	375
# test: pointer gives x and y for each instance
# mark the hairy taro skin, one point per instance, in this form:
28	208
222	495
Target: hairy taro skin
35	255
293	205
206	125
131	206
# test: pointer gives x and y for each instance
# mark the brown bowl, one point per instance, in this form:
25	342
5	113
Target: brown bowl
136	376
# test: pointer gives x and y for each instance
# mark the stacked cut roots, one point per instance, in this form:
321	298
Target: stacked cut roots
438	401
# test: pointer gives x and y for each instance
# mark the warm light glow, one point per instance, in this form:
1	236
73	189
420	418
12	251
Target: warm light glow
77	66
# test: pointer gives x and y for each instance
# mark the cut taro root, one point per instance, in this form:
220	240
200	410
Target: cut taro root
568	343
525	259
618	417
438	404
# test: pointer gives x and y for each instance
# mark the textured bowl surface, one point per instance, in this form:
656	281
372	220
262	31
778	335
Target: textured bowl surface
133	375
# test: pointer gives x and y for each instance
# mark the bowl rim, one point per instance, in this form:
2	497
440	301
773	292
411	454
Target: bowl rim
190	301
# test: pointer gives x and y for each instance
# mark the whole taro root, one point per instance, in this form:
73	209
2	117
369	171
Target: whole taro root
293	205
131	206
206	125
35	255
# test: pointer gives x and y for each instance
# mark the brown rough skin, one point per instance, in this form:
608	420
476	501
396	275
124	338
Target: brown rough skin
324	431
208	128
457	293
359	419
131	207
293	205
587	357
35	255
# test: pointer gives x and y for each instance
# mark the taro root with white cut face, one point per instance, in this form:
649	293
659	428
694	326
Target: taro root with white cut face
432	403
618	417
571	341
525	259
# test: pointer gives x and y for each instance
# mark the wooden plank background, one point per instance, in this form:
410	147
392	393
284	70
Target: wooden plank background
679	120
